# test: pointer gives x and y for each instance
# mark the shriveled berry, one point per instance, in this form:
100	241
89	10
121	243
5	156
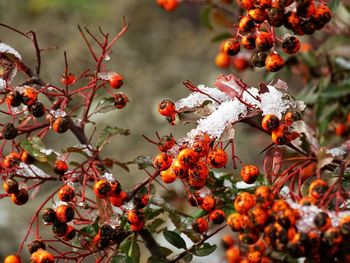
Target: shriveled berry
49	215
37	110
35	245
14	98
258	59
59	229
21	197
9	131
120	100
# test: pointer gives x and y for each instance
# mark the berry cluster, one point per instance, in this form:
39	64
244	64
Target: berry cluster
264	221
301	17
281	132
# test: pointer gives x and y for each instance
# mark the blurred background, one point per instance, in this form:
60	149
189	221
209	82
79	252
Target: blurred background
159	51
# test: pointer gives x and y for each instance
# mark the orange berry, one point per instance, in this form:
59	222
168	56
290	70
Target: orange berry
168	176
115	81
162	162
208	203
168	5
67	79
217	216
318	188
248	41
118	199
240	63
180	170
166	143
166	108
21	197
60	167
222	60
10	186
263	41
227	241
243	202
66	193
231	47
233	255
274	62
12	259
235	221
61	125
64	213
249	173
188	156
246	24
135	217
198	171
200	225
270	122
340	129
258	216
264	196
29	96
102	188
217	158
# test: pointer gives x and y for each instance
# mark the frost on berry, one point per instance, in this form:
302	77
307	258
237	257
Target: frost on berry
108	176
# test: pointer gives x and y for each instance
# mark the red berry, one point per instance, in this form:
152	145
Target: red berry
116	81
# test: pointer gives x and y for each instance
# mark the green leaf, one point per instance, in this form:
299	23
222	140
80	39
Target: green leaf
109	131
131	249
333	41
336	91
156	224
188	258
333	5
34	146
152	213
175	239
204	250
121	258
166	251
221	37
205	17
106	104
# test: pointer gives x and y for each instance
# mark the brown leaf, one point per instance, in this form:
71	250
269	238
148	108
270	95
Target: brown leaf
272	162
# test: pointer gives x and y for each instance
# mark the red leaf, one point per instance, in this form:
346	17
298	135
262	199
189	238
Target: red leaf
230	85
272	162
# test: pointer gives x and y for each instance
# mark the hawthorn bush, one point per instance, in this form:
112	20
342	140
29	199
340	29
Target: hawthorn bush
292	207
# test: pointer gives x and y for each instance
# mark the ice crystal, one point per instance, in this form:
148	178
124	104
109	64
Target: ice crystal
196	99
108	176
227	112
9	50
2	84
58	113
129	206
32	171
337	151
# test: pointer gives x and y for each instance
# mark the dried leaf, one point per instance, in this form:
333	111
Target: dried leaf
272	162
